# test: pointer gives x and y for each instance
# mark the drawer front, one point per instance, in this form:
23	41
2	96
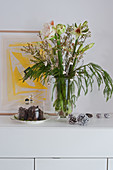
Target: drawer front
110	164
16	164
57	139
70	164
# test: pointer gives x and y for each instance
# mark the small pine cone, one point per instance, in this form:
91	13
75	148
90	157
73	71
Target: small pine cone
71	122
82	119
72	119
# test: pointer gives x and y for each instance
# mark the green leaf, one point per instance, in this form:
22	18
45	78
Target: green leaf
76	25
86	30
87	47
85	23
101	76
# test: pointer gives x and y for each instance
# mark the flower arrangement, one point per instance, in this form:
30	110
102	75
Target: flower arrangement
59	54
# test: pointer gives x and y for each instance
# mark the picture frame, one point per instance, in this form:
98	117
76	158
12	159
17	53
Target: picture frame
13	62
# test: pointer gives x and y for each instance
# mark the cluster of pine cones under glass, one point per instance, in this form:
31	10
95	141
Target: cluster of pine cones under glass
33	113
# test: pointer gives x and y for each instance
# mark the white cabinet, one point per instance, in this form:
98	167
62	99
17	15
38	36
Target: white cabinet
78	148
70	164
16	164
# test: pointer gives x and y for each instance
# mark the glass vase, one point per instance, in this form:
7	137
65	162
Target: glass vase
64	96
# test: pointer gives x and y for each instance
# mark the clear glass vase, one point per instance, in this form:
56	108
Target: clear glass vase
64	96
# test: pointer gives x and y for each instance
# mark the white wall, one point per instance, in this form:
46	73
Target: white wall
31	14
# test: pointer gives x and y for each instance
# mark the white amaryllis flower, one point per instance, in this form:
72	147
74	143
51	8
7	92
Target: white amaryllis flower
52	33
48	31
77	31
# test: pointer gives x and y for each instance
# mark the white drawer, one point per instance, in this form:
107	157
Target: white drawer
71	164
110	164
16	164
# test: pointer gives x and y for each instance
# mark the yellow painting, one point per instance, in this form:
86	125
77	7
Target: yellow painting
13	65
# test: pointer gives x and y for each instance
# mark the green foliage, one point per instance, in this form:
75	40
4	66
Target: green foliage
86	76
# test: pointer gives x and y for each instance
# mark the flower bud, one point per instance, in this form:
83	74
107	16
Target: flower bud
60	29
52	22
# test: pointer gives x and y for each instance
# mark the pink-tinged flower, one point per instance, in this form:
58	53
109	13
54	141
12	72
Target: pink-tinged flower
48	31
52	33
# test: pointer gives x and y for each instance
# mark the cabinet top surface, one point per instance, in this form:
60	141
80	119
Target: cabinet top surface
5	121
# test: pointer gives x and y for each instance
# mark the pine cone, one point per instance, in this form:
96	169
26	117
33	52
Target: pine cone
82	119
72	119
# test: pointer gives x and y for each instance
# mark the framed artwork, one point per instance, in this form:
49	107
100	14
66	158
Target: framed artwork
13	62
